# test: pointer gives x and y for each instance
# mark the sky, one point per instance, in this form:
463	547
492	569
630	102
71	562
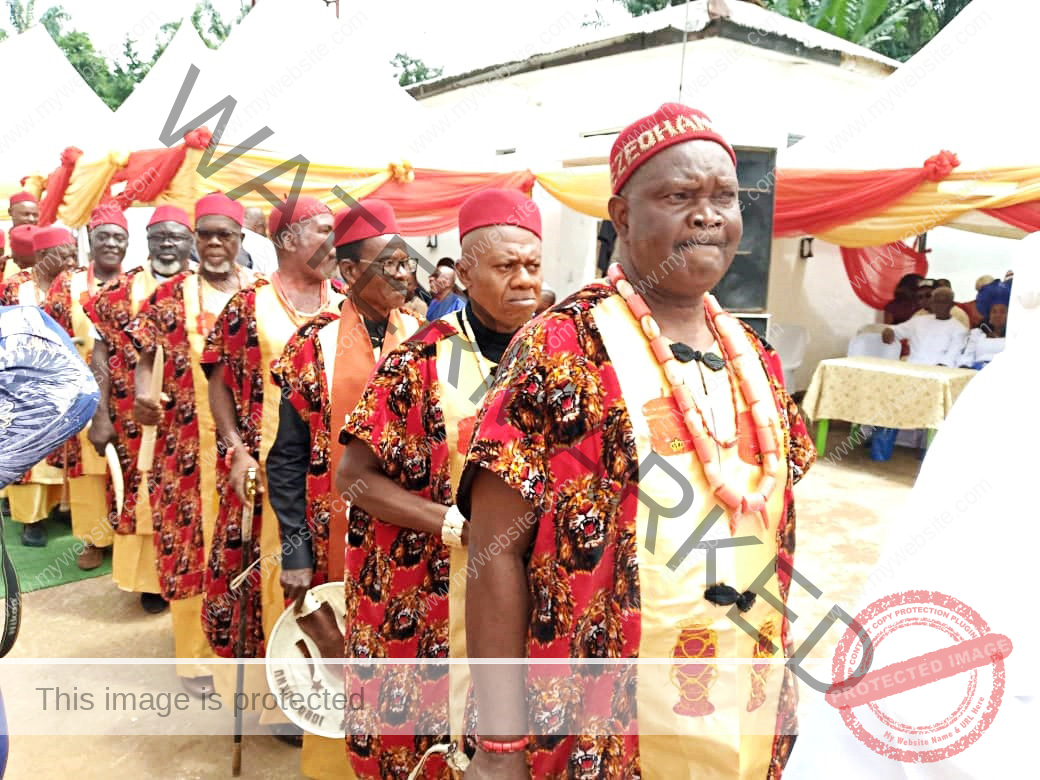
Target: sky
454	34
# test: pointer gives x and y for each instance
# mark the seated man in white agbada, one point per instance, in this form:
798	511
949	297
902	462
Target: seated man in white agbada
936	339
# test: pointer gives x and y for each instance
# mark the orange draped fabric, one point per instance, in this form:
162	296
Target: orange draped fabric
1024	216
430	203
149	172
875	271
57	183
809	202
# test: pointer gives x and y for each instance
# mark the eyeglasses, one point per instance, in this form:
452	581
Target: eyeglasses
392	267
173	238
225	236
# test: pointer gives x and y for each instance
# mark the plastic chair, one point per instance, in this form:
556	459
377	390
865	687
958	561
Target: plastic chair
790	343
871	345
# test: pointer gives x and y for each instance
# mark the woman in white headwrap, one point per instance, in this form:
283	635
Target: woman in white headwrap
972	523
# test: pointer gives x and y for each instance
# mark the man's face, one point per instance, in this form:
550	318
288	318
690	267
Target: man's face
254	220
942	303
924	298
503	277
309	239
383	272
169	247
108	246
24	213
445	281
679	215
218	240
998	315
53	261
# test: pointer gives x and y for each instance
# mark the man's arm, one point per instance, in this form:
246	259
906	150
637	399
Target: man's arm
101	429
956	346
901	331
383	497
287	465
497	616
222	405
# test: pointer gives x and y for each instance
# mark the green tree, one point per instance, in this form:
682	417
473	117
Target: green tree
211	26
640	7
411	70
21	14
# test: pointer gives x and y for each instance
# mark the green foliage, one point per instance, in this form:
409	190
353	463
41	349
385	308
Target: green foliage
410	70
114	83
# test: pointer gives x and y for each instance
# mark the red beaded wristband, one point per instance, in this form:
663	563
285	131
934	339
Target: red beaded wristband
492	746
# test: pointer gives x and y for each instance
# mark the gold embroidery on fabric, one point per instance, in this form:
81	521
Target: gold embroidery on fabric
694	681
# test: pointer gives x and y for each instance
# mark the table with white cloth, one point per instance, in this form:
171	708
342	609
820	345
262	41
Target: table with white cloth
883	393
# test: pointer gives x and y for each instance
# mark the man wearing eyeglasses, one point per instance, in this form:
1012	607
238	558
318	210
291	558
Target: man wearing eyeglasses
182	494
321	373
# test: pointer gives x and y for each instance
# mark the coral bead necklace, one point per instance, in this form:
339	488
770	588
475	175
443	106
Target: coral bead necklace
742	361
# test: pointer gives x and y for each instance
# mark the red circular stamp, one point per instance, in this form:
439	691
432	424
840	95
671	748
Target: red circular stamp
953	691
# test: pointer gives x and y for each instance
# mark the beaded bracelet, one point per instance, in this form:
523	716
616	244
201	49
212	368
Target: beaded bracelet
492	746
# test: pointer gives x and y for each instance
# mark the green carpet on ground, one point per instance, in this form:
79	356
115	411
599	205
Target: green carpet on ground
50	566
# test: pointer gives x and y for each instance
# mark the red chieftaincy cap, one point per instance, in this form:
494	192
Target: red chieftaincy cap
671	124
367	212
22	240
499	207
21	197
293	210
50	237
107	215
171	214
217	204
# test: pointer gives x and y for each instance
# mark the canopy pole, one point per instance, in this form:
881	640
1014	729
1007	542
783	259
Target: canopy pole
685	35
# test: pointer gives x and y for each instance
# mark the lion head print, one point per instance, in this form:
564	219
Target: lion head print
434	644
555	707
597	757
525	406
619	445
626	571
400	376
396	763
407	549
358	526
438	566
582	509
415	463
376	575
433	421
362	727
573	397
598	631
431	728
403	615
399	696
551	601
623	702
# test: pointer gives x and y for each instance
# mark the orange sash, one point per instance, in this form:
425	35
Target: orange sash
354	363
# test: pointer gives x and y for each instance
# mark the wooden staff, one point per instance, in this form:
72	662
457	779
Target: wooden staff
243	601
146	455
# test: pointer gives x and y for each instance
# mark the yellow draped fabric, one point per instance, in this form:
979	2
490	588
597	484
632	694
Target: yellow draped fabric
87	186
186	187
584	189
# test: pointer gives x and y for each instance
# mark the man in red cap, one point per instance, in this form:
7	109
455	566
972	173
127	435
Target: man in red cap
22	255
86	469
24	209
406	443
114	359
321	373
39	491
567	557
247	338
177	317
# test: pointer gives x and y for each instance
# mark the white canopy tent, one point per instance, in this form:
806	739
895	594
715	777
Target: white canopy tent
47	109
962	92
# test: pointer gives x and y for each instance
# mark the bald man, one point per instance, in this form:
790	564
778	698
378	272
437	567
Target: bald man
255	244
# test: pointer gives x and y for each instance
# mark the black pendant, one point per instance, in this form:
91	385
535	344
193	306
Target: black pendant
684	354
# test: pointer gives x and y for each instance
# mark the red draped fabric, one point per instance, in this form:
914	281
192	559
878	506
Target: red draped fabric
149	172
875	271
57	183
1024	216
809	202
430	204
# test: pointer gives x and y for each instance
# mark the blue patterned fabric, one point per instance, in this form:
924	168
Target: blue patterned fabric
47	393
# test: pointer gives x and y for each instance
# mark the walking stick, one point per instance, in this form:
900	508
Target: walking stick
146	454
243	598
